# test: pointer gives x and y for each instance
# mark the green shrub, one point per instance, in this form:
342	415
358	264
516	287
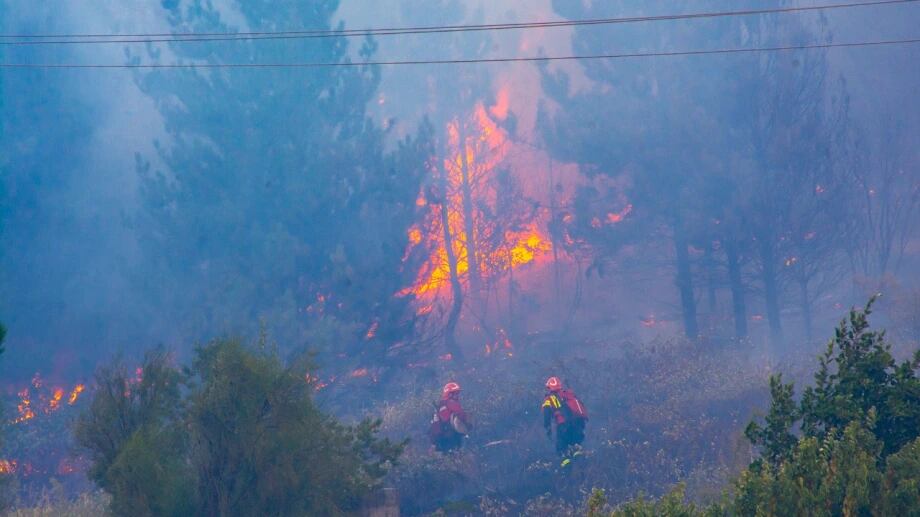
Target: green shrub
133	434
236	434
858	452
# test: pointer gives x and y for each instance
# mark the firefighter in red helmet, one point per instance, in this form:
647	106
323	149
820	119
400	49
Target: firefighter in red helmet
450	423
562	409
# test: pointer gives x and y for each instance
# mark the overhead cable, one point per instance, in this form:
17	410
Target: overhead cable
466	61
82	39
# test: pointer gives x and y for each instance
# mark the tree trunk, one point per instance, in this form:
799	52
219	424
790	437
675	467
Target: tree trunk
806	308
510	292
710	281
453	316
685	283
469	226
771	289
557	282
381	503
737	287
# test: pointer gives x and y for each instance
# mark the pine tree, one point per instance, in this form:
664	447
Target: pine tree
859	450
856	374
277	200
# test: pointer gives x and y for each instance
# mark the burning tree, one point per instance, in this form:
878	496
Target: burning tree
476	225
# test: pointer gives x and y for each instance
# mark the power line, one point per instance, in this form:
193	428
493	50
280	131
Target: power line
470	61
80	39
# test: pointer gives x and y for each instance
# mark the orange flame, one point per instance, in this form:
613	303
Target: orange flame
317	382
616	217
41	399
415	236
55	401
7	466
372	331
75	394
477	147
25	406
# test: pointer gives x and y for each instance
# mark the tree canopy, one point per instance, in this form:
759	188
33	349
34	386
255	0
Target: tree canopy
237	432
275	197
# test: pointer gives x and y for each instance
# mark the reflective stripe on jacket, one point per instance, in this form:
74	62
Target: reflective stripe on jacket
552	410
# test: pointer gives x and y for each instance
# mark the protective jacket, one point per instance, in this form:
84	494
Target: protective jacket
448	425
451	409
562	406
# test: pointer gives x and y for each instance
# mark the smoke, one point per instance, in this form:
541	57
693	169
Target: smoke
303	201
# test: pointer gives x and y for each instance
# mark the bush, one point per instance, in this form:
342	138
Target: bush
856	374
237	433
830	476
858	452
134	435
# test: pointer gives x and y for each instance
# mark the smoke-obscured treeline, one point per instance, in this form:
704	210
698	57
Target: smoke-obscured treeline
755	181
664	229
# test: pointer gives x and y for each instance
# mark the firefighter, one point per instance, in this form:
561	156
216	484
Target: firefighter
562	408
450	424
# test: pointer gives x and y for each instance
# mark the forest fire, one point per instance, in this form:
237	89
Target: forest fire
24	407
39	399
616	217
77	390
37	444
478	226
7	466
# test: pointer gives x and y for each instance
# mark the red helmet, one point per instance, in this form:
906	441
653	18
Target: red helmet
450	388
553	384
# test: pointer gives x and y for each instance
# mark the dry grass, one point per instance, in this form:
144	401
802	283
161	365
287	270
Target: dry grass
662	412
90	504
